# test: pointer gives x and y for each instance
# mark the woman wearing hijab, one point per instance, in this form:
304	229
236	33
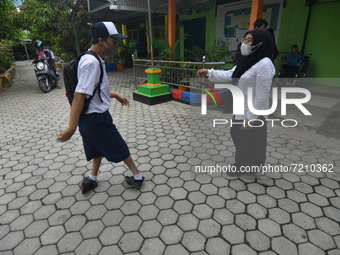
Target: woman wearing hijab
254	69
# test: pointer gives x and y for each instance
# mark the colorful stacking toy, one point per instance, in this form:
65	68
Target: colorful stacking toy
153	92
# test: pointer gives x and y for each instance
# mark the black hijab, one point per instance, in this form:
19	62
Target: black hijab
262	51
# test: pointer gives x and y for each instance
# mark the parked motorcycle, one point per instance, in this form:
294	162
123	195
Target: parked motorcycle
45	79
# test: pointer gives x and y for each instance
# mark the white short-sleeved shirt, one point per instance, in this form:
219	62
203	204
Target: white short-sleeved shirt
88	78
259	77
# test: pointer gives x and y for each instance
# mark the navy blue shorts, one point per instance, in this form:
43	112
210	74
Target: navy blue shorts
101	138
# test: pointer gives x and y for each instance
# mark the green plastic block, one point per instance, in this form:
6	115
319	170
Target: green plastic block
153	91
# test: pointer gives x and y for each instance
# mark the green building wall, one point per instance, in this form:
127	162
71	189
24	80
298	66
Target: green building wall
210	34
322	44
322	39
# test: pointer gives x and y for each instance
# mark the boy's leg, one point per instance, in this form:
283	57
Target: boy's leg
96	165
137	179
90	182
131	165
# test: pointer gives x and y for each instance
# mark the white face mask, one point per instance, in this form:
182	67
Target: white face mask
246	50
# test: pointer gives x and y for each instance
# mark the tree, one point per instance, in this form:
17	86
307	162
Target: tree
9	28
51	21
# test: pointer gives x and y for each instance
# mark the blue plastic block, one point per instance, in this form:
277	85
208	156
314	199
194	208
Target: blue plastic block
186	96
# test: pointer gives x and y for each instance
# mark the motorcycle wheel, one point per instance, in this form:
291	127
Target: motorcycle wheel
44	85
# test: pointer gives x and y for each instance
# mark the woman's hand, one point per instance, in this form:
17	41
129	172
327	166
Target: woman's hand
246	125
202	72
122	99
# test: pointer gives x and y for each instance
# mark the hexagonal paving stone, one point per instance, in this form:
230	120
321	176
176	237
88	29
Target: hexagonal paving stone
311	209
321	239
130	207
257	240
193	241
164	202
75	223
36	228
21	222
242	249
269	227
126	244
283	246
246	222
28	246
99	198
92	229
148	212
196	197
215	202
324	191
131	223
171	235
114	202
276	192
223	216
89	246
167	217
183	207
69	242
209	228
30	207
257	211
318	199
310	249
279	215
288	205
112	249
111	235
294	233
328	226
59	217
235	206
52	235
303	220
178	193
11	240
152	246
161	190
187	222
147	198
177	249
332	213
150	228
266	201
233	234
303	187
44	212
246	197
296	196
202	211
217	246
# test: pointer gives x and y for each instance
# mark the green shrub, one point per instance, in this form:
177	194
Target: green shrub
5	55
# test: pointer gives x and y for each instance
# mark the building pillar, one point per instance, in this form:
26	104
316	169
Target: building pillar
256	12
171	22
124	32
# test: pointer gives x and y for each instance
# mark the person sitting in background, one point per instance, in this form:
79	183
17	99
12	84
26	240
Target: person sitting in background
294	62
261	23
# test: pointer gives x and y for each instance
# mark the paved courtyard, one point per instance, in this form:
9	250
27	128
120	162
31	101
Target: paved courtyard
177	211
